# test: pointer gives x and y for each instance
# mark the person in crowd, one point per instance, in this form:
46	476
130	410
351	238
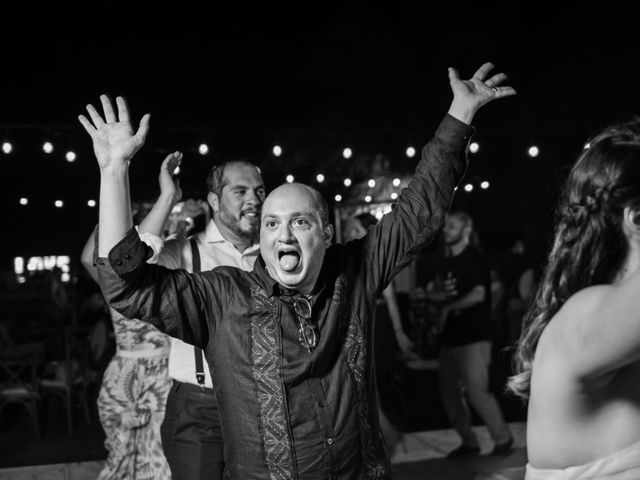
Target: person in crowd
135	383
423	324
191	434
520	277
578	358
466	342
289	343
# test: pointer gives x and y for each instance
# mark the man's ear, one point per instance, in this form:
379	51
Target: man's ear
328	234
631	221
214	203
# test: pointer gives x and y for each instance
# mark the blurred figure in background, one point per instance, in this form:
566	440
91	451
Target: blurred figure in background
463	293
520	286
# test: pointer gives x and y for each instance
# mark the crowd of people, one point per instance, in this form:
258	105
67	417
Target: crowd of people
258	346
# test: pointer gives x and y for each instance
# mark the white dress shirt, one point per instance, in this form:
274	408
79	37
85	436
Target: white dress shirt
215	251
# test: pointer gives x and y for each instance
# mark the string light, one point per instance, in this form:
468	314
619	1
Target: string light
410	151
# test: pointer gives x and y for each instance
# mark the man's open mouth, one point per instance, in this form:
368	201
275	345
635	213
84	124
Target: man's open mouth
289	259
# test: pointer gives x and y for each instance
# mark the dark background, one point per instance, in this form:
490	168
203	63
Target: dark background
314	78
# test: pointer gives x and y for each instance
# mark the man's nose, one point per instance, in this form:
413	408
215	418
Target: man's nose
285	234
251	198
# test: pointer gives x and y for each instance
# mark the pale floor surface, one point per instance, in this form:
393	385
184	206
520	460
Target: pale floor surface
419	455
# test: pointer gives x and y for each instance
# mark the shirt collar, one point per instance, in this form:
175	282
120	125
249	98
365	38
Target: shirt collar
274	289
213	235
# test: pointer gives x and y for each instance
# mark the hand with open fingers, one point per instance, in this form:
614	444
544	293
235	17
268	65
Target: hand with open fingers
114	141
169	182
470	95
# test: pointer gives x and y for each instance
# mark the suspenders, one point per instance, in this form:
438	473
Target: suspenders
197	353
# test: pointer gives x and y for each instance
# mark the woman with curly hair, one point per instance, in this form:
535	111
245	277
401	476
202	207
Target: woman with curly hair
578	358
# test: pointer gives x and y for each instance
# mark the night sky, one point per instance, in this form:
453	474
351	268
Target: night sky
312	78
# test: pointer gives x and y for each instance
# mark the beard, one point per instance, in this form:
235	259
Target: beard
234	224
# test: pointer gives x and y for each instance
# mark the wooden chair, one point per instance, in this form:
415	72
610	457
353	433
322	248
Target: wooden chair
19	379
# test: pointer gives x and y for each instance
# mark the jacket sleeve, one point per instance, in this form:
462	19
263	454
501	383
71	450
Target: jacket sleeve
419	213
181	304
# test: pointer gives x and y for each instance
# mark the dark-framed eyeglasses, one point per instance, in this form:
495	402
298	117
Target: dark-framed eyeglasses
307	330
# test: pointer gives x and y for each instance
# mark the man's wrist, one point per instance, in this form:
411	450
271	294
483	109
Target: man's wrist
117	168
167	197
461	111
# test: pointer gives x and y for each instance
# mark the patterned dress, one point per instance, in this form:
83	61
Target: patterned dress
132	401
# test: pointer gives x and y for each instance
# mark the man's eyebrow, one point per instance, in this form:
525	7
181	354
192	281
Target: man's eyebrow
305	213
309	213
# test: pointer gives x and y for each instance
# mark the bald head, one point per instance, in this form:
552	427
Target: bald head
300	190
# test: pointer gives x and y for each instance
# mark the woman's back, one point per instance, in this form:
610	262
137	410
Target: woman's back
585	393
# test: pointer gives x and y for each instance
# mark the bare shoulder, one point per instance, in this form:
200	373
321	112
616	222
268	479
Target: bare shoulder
581	311
585	302
598	331
579	316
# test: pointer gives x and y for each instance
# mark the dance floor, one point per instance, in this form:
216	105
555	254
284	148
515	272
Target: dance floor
417	456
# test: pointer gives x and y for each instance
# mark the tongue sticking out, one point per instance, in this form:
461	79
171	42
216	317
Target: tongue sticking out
289	261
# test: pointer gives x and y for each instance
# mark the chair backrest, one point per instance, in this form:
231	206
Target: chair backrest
20	365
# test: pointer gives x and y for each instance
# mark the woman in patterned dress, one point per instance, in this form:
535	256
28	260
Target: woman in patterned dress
136	383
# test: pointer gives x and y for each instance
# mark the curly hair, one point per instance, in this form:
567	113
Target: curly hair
589	243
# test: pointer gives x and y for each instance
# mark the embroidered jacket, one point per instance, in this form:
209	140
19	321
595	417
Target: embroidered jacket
287	413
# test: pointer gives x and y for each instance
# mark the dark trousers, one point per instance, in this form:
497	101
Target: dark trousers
191	436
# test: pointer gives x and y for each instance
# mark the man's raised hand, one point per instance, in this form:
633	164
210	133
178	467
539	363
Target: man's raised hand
114	141
169	183
470	95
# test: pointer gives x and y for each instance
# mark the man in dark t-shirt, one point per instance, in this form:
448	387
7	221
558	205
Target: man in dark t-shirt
463	291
